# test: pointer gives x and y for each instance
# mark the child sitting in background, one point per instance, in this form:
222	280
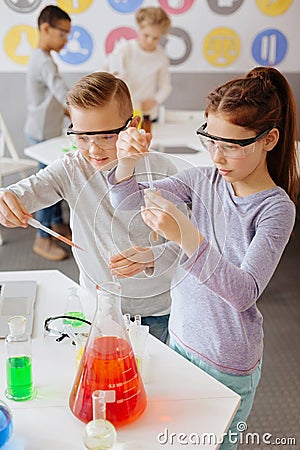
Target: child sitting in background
145	65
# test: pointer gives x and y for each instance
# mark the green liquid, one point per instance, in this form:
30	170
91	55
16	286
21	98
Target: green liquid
74	323
19	378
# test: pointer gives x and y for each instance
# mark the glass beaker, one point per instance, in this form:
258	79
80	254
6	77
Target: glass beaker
19	376
108	364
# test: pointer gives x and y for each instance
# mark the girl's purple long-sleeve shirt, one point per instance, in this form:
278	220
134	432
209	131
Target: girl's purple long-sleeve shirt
214	292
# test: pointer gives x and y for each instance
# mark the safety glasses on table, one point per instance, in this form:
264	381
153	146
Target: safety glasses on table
54	326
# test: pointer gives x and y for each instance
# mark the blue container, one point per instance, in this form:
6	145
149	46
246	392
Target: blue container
5	423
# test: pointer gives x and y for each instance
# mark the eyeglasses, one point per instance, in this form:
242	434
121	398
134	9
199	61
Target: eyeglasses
54	326
64	34
230	148
106	140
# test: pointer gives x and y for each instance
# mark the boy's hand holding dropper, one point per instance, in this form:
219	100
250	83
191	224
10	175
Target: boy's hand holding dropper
131	146
12	211
131	262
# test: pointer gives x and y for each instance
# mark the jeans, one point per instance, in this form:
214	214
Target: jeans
245	386
51	215
158	326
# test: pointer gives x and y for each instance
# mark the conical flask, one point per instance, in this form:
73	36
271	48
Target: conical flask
108	364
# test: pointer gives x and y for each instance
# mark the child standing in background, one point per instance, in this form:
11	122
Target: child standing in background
46	107
144	62
243	213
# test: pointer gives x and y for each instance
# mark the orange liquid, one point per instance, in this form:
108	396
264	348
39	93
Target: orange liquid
109	364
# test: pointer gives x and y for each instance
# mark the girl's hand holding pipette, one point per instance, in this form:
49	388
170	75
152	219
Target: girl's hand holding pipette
165	218
131	262
12	211
131	146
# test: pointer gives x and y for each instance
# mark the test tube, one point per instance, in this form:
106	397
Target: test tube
127	321
137	320
114	277
150	182
139	335
137	324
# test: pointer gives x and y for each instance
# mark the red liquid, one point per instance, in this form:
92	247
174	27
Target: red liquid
109	364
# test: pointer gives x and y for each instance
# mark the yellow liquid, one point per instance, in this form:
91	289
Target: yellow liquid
138	112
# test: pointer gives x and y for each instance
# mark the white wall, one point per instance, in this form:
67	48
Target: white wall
210	42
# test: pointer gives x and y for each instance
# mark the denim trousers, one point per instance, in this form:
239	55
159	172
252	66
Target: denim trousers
51	215
245	386
158	326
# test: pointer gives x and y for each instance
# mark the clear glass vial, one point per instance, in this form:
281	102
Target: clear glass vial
19	376
99	433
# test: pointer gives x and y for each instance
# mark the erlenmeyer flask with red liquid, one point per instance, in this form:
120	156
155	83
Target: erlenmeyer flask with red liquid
108	364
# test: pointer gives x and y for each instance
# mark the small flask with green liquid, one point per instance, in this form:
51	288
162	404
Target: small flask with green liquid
19	376
74	309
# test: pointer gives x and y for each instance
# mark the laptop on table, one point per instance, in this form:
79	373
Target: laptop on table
17	298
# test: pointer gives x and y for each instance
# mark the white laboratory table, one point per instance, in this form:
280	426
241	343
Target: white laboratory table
164	136
181	397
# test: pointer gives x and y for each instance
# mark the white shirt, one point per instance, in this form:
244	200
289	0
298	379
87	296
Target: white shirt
146	73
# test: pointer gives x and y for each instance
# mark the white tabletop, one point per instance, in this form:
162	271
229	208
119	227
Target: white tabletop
181	397
164	137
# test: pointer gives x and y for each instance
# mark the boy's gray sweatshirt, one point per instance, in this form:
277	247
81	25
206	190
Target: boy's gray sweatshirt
99	228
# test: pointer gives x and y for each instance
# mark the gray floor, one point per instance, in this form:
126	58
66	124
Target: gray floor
276	408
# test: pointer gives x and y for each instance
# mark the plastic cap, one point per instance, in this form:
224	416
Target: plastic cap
17	325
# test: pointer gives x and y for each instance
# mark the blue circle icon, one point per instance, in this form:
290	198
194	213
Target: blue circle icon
269	47
78	48
125	7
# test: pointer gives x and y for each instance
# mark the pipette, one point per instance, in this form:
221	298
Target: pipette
110	254
150	182
148	167
36	224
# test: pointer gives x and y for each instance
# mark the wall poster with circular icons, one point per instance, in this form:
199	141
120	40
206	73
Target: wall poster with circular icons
206	35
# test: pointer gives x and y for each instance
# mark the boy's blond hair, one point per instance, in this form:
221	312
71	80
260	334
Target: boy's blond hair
153	16
99	89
